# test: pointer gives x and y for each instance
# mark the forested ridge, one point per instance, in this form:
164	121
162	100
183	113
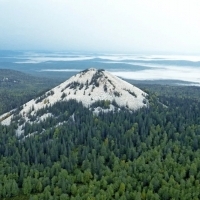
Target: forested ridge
152	153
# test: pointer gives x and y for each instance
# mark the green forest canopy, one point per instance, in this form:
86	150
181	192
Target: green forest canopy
150	154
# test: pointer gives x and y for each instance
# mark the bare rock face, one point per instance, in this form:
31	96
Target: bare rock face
89	87
94	85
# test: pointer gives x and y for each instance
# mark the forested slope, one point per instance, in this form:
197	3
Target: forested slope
150	154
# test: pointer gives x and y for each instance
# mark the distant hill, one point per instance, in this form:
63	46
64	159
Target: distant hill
17	88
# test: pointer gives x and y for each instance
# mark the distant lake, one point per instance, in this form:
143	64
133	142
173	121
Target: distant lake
181	69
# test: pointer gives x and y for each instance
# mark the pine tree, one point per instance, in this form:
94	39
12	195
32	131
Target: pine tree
27	186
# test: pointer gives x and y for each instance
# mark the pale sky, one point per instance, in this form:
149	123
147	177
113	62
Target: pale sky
127	26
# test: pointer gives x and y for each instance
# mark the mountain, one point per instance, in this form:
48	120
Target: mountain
97	90
66	151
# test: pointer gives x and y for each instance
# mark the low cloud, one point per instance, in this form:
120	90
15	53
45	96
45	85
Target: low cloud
170	73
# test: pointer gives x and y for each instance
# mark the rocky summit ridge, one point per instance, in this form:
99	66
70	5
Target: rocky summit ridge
88	86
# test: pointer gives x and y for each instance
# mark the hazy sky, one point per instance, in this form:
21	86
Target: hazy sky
101	25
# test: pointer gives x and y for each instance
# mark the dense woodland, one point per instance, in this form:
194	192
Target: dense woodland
149	154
